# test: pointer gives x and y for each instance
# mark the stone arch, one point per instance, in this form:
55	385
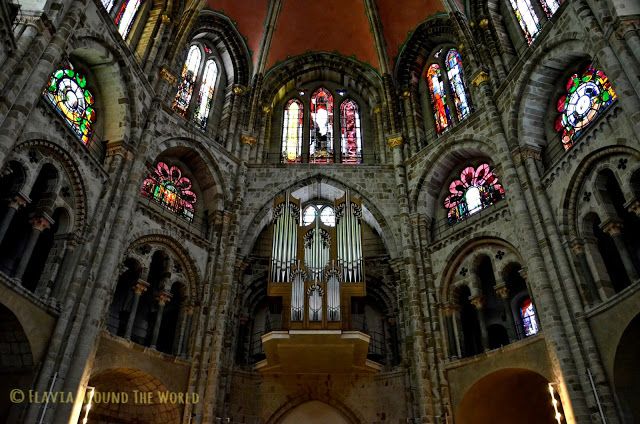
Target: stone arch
626	374
203	165
522	392
375	219
128	380
112	75
349	415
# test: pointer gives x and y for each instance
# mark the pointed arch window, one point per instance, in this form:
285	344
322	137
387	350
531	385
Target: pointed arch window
456	82
438	98
350	130
550	7
167	186
126	15
475	189
321	120
188	77
527	18
528	316
67	92
292	132
205	96
587	96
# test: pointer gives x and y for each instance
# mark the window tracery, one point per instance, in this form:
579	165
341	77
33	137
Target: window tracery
321	120
67	92
350	129
475	189
167	187
587	96
292	131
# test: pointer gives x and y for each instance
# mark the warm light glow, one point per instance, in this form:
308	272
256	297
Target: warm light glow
554	402
91	391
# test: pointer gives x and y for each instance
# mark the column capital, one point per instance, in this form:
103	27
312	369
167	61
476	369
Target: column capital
478	301
448	309
634	207
576	246
480	78
163	297
248	139
239	89
41	222
377	109
394	141
502	291
18	201
140	287
613	227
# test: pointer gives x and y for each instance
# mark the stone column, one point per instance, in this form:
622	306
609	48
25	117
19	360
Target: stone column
614	229
478	301
450	311
409	117
162	298
377	117
185	330
39	224
238	92
502	292
140	287
17	202
588	289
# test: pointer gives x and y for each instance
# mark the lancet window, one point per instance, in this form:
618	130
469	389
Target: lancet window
317	261
528	17
588	94
126	15
474	190
528	316
322	146
199	74
447	89
67	92
167	186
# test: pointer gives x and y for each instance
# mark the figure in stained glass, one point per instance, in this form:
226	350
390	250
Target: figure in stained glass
321	119
205	96
438	98
292	132
528	316
350	129
67	91
456	81
475	189
188	81
587	96
166	185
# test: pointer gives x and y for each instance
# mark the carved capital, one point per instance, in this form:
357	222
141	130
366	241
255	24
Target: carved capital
18	201
478	301
395	141
163	297
577	247
377	109
248	139
449	309
166	20
634	207
166	75
502	291
480	78
239	89
483	23
612	227
529	152
140	287
41	222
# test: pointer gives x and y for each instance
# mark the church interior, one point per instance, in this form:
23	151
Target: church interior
335	212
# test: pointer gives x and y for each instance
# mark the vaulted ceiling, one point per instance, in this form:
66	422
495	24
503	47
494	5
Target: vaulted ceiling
337	26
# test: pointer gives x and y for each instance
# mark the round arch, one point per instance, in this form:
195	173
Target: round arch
626	373
329	407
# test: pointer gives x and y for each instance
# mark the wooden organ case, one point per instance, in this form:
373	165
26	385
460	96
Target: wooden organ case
316	267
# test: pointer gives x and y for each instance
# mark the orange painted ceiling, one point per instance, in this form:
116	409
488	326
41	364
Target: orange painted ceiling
338	26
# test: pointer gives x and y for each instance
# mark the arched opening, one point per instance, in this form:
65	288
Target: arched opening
148	305
120	308
626	373
471	335
611	257
170	328
314	412
506	397
132	383
492	308
16	363
497	336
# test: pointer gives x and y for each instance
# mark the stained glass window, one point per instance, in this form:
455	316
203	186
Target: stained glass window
526	18
475	189
107	4
126	15
456	81
550	7
438	98
188	81
326	213
528	316
350	129
321	147
588	95
292	132
206	94
166	185
67	91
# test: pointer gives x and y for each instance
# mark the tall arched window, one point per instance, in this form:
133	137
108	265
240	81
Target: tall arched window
588	95
350	130
438	98
292	131
527	18
321	119
107	4
188	80
166	186
550	7
205	96
455	74
126	15
475	189
68	93
528	316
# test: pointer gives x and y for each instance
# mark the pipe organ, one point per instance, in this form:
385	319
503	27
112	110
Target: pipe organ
317	263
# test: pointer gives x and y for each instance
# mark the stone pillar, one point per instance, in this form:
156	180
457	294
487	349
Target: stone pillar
478	301
588	289
614	229
17	202
502	292
409	117
39	224
162	298
140	287
382	152
453	343
238	92
185	329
